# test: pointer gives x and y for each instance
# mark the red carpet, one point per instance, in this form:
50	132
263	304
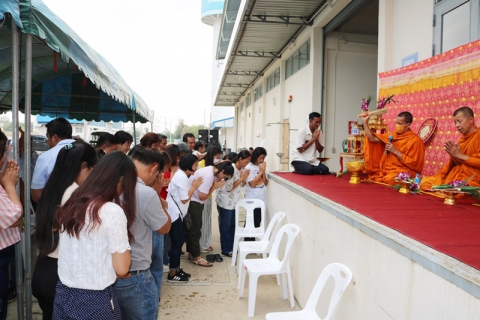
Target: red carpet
452	230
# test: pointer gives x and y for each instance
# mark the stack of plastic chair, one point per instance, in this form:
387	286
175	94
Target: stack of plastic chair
249	231
342	276
270	266
263	246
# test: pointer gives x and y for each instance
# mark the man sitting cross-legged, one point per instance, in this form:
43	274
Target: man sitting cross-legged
464	154
388	154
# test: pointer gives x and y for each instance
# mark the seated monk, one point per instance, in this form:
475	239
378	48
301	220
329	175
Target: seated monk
388	154
464	155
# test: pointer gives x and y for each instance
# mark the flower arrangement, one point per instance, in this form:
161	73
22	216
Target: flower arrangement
460	186
382	103
366	102
412	184
458	183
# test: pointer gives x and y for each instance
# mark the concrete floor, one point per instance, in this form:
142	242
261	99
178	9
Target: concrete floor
211	293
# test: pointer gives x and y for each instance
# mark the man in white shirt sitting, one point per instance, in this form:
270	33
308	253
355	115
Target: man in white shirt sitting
308	145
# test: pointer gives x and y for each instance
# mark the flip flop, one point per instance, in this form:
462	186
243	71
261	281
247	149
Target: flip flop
202	263
218	258
227	255
210	257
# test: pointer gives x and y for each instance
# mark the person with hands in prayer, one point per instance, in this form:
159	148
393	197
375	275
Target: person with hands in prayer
388	154
464	162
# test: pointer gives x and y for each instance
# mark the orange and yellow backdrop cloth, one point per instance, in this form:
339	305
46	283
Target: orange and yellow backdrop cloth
435	88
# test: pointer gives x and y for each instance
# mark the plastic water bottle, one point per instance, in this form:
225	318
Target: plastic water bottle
417	179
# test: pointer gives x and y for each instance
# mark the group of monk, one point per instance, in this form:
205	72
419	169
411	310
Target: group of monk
388	154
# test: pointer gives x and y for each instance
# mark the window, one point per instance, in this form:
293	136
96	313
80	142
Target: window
273	80
456	22
249	99
78	130
258	92
242	106
298	60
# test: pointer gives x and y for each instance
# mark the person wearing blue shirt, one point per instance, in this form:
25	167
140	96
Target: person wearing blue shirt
59	134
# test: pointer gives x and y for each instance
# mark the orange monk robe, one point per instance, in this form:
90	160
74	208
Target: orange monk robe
461	170
384	168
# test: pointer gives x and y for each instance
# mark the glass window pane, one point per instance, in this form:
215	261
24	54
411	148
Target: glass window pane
456	27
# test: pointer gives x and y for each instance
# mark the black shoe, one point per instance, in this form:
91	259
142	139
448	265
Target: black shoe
188	275
12	295
178	277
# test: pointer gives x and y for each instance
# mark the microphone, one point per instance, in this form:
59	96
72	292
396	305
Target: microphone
390	138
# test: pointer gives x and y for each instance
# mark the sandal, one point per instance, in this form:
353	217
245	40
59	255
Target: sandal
202	263
218	258
207	249
210	258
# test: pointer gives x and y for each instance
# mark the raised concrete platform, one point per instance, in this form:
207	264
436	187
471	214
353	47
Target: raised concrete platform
394	277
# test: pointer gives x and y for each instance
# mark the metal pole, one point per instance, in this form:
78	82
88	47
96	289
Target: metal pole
15	108
27	154
134	131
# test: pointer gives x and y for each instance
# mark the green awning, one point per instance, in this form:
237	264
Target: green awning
70	79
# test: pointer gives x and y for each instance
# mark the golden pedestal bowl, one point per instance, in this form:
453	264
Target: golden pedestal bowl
404	186
355	168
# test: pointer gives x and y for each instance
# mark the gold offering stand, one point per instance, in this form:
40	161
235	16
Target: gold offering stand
354	156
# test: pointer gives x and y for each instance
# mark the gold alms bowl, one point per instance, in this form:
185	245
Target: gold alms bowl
355	168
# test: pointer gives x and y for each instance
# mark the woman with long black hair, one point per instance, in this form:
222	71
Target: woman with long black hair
94	240
73	165
257	182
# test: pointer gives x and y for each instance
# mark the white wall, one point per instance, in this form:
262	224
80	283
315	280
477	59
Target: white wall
386	284
350	74
405	27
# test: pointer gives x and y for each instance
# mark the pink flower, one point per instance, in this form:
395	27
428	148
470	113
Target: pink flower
403	176
457	183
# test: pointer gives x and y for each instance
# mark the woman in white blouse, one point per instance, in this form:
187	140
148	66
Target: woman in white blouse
94	240
180	192
73	165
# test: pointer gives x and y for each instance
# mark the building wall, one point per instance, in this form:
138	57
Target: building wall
350	74
405	27
387	283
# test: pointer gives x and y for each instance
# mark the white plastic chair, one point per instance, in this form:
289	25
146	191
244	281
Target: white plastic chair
270	266
342	276
263	246
249	231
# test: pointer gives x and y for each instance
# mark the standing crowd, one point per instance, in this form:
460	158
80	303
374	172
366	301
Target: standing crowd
111	219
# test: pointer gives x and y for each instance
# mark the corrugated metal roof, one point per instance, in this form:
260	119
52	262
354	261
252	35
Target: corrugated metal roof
264	29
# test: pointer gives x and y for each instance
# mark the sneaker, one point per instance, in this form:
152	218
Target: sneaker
166	268
12	295
188	275
178	277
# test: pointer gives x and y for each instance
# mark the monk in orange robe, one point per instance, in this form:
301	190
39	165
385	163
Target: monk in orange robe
464	155
388	154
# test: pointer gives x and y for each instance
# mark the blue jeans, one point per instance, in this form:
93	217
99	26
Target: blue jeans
137	296
157	260
177	237
5	255
227	229
166	244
